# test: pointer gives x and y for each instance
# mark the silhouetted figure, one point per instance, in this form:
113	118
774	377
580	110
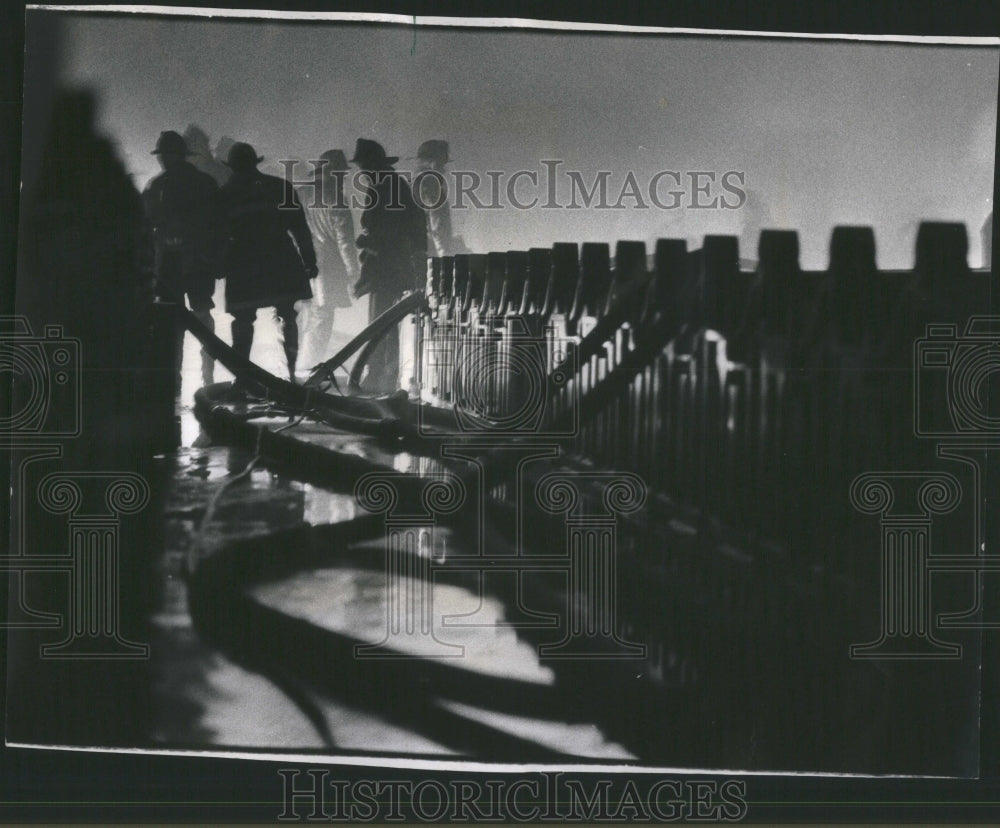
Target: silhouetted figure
83	265
222	147
201	155
329	218
393	245
432	195
269	255
182	210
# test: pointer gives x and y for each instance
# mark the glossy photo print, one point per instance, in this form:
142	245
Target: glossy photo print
502	399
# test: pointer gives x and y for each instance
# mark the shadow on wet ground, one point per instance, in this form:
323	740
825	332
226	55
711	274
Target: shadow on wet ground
259	651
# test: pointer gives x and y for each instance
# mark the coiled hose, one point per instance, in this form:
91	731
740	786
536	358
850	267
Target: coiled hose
411	425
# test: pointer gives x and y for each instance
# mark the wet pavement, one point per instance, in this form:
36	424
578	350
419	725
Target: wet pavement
304	632
209	695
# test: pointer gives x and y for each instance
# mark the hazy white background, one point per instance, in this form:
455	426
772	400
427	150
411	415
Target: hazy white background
826	132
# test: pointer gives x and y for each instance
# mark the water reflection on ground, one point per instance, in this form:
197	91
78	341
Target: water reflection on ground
205	698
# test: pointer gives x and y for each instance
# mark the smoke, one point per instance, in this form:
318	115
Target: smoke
825	132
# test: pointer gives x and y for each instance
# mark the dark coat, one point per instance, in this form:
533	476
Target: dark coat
393	237
264	267
182	209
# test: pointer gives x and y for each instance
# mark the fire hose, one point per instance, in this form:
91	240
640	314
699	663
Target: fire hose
394	418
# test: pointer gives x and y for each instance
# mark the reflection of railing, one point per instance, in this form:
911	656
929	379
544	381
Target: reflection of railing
741	405
746	402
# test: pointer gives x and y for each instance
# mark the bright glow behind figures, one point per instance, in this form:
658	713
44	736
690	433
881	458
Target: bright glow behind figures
825	132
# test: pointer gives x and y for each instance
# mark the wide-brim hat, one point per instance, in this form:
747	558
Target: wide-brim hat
336	161
371	154
171	143
434	150
242	156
